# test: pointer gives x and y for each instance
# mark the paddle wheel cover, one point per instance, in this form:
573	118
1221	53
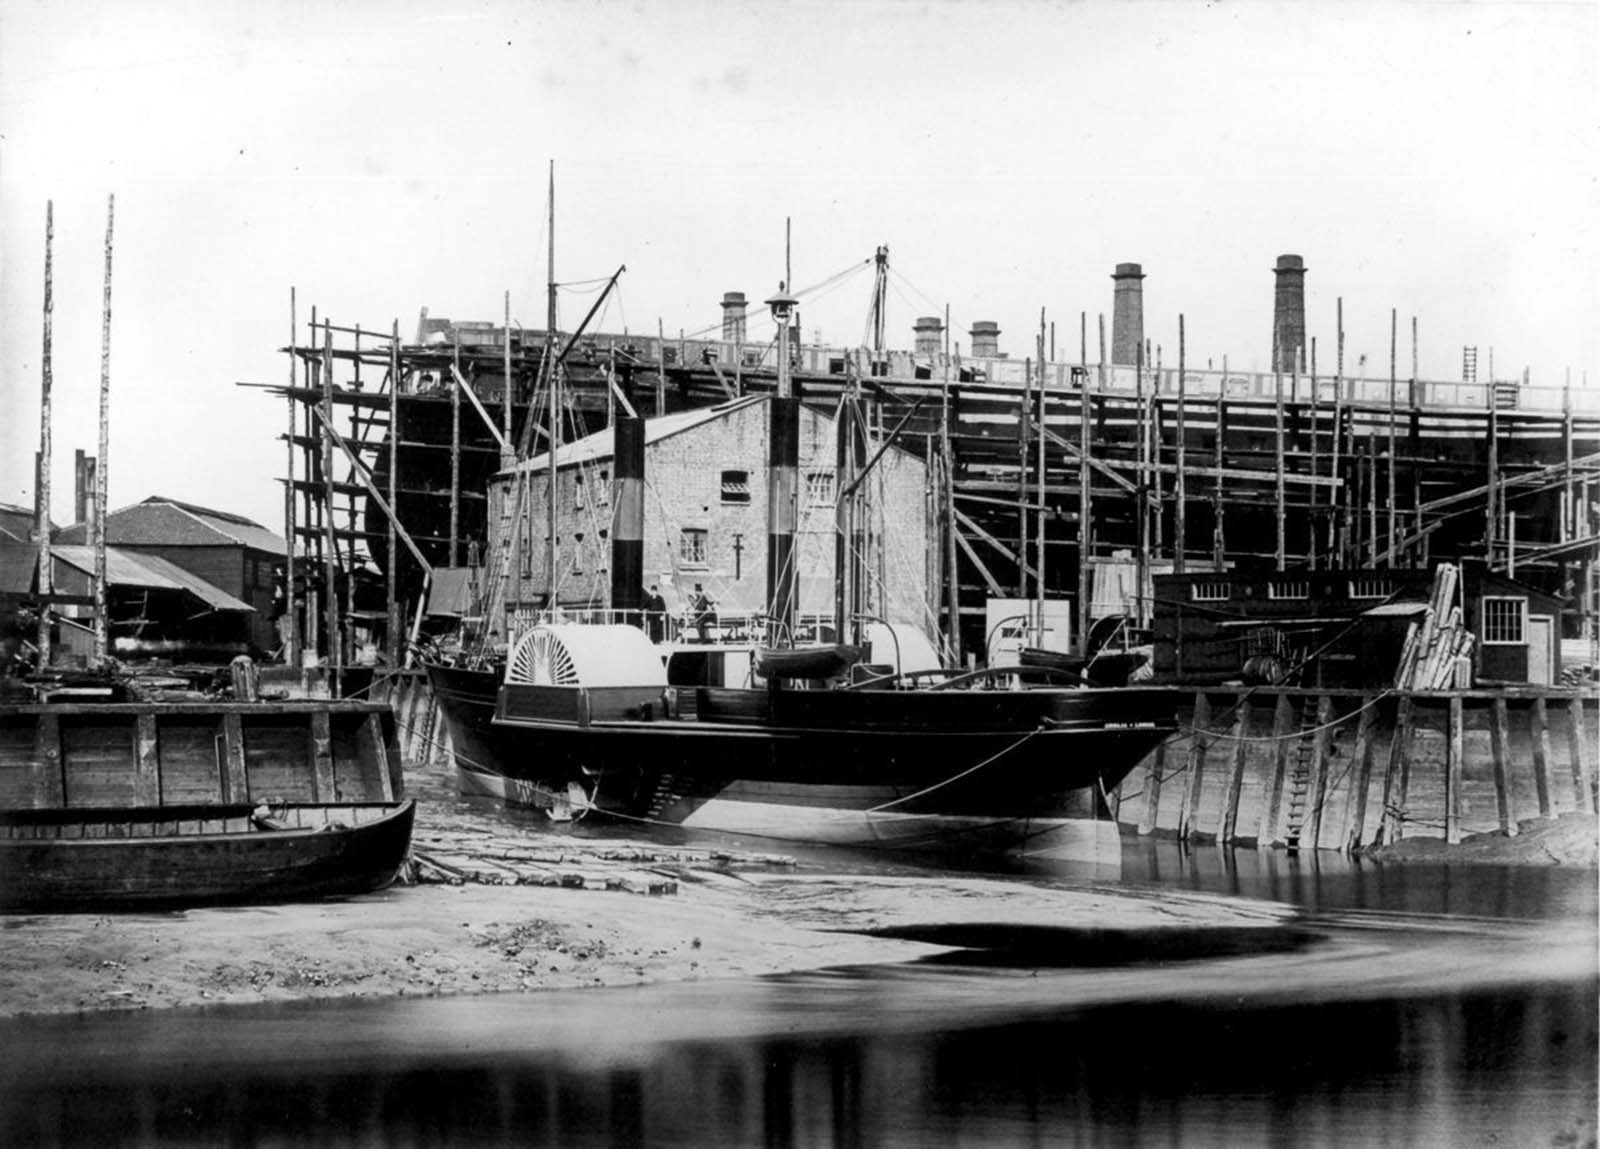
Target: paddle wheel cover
575	654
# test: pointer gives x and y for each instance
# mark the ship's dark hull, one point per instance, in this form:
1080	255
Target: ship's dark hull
914	768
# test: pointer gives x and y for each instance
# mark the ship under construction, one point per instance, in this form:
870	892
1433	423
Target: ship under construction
1042	469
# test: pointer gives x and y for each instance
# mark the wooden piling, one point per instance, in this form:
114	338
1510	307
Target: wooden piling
1270	829
1396	775
1539	734
1499	748
1361	780
1452	772
1195	767
1578	753
1152	791
1317	783
1230	801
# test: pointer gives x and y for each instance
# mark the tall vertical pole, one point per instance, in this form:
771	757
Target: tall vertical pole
1414	424
42	479
1039	492
1022	478
311	639
552	375
455	457
1389	503
1180	492
952	574
392	624
1277	453
101	619
1219	538
330	558
291	603
1085	533
1142	489
1341	445
1314	497
508	392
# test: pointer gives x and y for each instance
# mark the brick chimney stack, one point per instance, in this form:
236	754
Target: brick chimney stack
733	317
1288	313
1127	314
985	335
929	335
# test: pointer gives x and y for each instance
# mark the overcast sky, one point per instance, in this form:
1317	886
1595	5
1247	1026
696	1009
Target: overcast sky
383	157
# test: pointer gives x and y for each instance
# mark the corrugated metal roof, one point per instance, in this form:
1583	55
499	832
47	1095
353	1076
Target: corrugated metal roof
124	568
600	445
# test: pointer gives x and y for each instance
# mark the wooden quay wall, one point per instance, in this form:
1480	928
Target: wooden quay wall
1342	770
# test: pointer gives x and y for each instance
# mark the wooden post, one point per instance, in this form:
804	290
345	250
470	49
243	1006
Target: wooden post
1085	507
235	783
1578	751
291	607
1277	458
455	460
1395	780
1389	505
147	762
947	457
1180	488
1361	758
42	477
1022	479
1500	746
1539	732
393	626
1195	768
1270	828
330	559
1312	497
1317	784
48	779
322	757
1452	771
1219	542
1152	791
102	624
1230	800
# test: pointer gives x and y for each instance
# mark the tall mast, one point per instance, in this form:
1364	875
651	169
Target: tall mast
101	622
551	394
783	462
42	479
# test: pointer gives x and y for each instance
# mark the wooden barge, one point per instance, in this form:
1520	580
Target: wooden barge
125	805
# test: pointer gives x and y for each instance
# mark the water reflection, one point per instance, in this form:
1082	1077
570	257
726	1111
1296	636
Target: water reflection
1453	1069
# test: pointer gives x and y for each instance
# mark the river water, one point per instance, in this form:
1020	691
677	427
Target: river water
1407	1007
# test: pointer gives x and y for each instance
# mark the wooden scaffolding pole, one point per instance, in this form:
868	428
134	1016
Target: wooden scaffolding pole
952	574
1312	542
101	617
330	557
291	636
1180	494
1390	506
41	487
392	624
1277	455
455	457
1219	542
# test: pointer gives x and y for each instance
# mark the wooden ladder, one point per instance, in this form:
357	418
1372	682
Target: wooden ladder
1299	797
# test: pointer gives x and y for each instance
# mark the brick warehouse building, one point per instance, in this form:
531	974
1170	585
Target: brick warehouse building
706	518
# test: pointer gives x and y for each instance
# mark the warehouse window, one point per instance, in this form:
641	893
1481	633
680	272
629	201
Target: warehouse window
736	486
692	547
819	488
1505	621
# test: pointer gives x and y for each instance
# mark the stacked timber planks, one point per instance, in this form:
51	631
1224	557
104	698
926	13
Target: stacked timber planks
509	858
1437	646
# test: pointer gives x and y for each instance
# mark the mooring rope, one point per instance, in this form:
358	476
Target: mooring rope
1001	753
